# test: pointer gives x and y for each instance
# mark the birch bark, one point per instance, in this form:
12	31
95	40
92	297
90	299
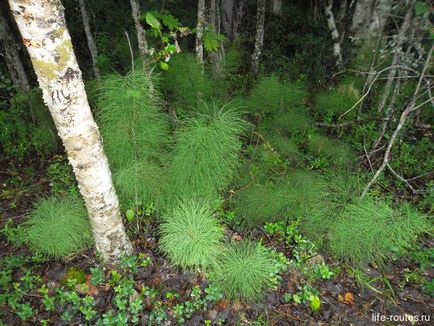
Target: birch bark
141	36
334	32
259	38
201	20
44	33
89	37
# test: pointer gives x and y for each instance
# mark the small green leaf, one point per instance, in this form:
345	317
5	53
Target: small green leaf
152	21
164	65
287	297
296	298
171	48
421	8
315	303
130	215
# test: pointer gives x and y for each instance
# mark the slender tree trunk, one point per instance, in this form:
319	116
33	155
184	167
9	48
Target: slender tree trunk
334	31
201	21
239	14
276	7
141	36
259	38
379	17
44	32
90	42
361	17
228	13
12	55
216	57
396	57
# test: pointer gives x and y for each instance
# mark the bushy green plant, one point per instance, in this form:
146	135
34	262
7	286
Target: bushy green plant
292	121
243	270
140	183
190	234
206	153
184	84
287	147
370	230
58	227
331	151
341	189
336	101
291	197
132	124
270	95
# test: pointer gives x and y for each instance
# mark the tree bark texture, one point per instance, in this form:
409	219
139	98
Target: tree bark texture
228	13
201	21
276	7
259	38
239	14
12	55
216	57
141	36
361	17
46	37
396	57
89	37
334	32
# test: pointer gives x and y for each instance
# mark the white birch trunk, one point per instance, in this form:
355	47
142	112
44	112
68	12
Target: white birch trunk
201	20
12	56
334	32
43	29
259	38
276	7
89	37
361	17
141	36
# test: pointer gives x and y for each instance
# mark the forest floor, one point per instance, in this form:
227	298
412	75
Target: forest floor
172	296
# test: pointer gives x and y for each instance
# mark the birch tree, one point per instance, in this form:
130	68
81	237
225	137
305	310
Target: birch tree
46	37
12	54
334	32
89	37
276	7
141	36
200	28
259	38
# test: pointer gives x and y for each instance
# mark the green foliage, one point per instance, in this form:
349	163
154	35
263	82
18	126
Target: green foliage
243	270
132	125
328	152
61	178
290	122
206	153
212	40
336	101
190	234
287	147
58	227
26	124
340	190
184	84
140	183
291	197
270	95
369	230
